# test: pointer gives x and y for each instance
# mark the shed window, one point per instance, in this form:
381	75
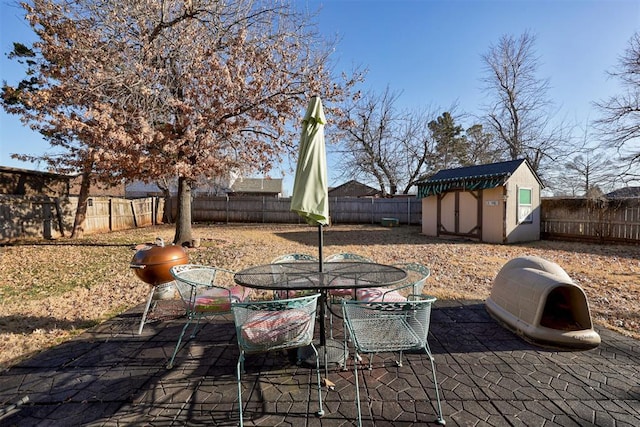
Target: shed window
524	206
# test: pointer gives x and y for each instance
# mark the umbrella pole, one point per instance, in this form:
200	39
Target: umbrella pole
323	313
323	291
320	244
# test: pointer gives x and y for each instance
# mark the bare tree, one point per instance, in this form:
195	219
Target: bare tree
384	145
519	110
141	89
418	148
619	125
395	149
483	146
369	140
590	170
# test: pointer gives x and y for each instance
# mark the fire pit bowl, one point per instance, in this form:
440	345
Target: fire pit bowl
153	262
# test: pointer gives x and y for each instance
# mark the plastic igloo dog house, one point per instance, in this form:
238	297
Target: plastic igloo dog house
538	300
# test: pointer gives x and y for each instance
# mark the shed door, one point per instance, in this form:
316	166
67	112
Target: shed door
460	214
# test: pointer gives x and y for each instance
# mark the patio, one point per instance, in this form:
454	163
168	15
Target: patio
112	376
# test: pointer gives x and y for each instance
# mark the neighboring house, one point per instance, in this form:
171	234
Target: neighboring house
213	187
354	189
137	189
494	203
204	187
23	182
624	193
97	189
256	187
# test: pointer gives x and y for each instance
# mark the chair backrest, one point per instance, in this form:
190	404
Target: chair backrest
193	280
293	258
273	325
417	275
346	256
416	313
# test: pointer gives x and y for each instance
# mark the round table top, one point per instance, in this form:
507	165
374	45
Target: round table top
302	275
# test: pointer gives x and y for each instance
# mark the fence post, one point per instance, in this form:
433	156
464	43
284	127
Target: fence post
135	215
153	210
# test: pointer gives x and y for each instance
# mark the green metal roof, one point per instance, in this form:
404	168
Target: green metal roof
470	178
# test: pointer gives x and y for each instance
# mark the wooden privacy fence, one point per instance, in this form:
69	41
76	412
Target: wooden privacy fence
343	210
602	221
48	218
112	214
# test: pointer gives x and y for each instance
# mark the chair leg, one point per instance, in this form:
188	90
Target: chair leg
355	364
330	323
195	329
440	419
146	309
346	347
175	351
239	369
320	412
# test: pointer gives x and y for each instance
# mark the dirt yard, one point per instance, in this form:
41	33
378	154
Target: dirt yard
52	291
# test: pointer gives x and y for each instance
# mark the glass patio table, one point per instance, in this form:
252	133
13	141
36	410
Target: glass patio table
301	276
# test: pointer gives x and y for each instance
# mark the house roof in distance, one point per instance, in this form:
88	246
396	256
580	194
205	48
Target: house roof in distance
624	193
257	185
353	188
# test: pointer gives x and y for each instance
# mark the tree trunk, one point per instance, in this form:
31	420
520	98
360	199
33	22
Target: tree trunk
81	210
184	235
164	186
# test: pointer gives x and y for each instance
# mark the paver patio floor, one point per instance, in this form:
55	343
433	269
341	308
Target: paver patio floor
111	376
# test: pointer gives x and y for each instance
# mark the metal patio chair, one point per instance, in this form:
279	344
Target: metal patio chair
205	291
264	326
336	295
417	275
294	257
381	327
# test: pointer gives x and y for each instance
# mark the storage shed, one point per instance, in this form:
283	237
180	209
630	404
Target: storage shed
493	203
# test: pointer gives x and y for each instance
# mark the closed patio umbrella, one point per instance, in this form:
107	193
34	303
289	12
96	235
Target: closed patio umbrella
310	198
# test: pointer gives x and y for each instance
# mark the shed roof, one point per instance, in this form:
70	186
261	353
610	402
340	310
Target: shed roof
471	178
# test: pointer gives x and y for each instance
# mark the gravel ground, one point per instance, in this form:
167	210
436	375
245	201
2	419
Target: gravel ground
52	291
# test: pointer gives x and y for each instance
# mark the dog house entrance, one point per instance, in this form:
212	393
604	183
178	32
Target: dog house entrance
564	310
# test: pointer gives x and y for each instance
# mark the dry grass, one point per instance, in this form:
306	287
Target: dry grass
52	291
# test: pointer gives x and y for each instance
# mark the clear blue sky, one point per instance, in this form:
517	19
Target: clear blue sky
430	51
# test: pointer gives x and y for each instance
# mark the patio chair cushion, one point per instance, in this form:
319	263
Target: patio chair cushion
295	293
269	328
347	291
379	295
341	292
218	300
